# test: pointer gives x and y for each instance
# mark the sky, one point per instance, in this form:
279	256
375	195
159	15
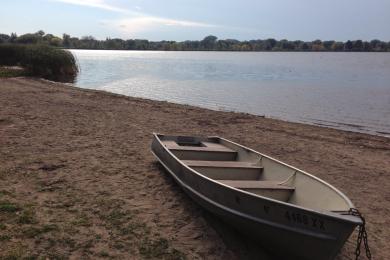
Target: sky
194	19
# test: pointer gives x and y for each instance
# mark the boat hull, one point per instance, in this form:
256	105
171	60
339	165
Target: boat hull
281	228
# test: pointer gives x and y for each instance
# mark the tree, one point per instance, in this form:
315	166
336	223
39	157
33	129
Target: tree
337	46
223	45
13	37
66	40
115	44
382	46
209	42
40	33
270	44
141	44
88	42
348	46
245	47
4	38
297	44
317	45
48	37
328	45
305	46
366	46
55	41
357	45
28	38
286	45
75	42
89	38
130	45
375	44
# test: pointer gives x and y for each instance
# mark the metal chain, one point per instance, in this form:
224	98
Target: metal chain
362	235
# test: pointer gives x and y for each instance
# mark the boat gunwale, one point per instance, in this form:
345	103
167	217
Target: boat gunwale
245	215
348	218
349	202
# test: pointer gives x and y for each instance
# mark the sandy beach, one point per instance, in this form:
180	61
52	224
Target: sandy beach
77	179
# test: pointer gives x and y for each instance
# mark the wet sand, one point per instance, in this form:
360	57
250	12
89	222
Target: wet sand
77	178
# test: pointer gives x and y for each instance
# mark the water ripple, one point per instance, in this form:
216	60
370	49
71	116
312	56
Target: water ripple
349	91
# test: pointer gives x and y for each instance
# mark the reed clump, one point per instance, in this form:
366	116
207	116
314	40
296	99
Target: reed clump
41	61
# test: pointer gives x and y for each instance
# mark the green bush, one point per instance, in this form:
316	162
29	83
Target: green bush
11	55
41	61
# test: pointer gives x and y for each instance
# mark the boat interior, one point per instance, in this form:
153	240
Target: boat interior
244	169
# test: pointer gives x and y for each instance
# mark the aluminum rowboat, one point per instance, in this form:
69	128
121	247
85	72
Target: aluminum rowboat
288	211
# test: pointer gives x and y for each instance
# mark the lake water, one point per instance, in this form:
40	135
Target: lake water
349	91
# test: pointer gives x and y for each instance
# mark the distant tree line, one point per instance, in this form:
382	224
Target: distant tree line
209	43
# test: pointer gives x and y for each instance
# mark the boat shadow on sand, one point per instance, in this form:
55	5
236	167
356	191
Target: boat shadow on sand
242	246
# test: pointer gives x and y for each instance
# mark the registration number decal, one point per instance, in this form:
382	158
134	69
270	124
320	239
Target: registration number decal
306	220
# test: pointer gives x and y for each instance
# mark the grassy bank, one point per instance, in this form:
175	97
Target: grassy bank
9	72
38	61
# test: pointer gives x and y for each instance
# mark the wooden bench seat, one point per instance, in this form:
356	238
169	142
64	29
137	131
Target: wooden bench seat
269	189
201	151
271	185
221	164
204	146
226	170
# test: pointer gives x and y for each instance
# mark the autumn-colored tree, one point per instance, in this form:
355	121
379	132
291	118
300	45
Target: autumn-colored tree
210	42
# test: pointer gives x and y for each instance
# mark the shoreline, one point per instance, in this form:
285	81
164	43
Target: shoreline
322	125
80	160
276	51
346	127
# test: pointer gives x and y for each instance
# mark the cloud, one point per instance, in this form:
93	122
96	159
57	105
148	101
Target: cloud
145	23
138	22
102	4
